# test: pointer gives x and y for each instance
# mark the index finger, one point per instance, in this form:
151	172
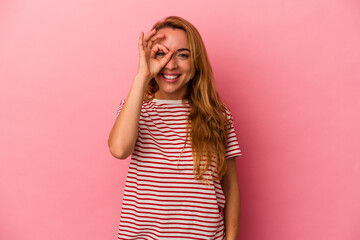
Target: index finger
157	48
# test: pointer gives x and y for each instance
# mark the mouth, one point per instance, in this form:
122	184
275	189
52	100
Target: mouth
170	77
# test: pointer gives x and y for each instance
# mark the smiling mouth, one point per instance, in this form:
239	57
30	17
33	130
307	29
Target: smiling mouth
170	78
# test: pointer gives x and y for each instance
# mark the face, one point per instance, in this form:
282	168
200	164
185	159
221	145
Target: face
175	75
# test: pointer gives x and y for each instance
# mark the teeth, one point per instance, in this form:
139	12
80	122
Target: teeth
170	77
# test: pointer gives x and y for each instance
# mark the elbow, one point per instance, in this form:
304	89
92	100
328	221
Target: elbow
118	153
119	149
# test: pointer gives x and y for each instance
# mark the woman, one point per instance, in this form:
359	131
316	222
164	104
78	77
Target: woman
182	141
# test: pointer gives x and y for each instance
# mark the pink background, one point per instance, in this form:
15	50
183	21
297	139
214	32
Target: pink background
289	70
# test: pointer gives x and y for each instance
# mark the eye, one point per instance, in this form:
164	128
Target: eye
182	55
160	54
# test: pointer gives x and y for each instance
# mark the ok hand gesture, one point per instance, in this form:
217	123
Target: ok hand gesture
149	66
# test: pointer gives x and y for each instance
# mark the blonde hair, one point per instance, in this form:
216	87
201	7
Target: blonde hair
208	114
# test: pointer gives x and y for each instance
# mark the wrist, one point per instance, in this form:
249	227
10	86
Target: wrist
231	238
142	78
140	82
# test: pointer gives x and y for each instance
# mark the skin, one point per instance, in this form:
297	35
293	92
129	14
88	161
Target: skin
159	53
123	135
179	63
232	209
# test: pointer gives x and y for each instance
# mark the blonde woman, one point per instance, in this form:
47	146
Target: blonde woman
182	180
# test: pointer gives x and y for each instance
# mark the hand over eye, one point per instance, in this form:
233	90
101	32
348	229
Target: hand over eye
152	58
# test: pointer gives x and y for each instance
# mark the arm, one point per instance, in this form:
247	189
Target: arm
230	186
123	135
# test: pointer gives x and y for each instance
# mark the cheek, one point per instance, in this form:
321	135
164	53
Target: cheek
187	67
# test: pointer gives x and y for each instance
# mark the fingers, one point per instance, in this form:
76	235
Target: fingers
151	33
140	42
166	58
151	38
154	38
157	48
148	36
145	42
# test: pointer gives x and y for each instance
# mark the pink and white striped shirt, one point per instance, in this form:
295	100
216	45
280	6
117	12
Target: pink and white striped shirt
162	200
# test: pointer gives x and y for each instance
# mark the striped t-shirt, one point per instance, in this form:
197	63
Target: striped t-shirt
162	200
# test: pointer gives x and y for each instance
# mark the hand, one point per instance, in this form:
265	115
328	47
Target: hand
149	66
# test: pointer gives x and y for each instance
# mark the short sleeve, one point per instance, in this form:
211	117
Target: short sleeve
122	102
232	149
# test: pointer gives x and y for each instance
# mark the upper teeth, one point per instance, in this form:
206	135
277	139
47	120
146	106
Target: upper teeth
170	77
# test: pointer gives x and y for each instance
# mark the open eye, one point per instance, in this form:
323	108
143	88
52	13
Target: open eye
160	53
182	55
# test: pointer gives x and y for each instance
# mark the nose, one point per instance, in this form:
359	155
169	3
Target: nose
171	64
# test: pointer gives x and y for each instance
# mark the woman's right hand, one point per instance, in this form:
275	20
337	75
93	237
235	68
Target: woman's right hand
149	65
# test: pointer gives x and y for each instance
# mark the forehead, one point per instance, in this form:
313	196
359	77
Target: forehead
174	38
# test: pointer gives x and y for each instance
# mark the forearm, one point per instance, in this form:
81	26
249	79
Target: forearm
232	214
231	190
123	135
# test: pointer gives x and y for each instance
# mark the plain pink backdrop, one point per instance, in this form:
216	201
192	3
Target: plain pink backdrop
289	70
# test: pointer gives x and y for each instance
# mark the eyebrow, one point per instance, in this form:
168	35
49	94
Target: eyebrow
183	49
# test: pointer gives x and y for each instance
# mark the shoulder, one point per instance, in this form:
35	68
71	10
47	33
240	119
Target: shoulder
227	112
144	103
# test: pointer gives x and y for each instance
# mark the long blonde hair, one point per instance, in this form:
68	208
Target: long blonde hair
208	118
